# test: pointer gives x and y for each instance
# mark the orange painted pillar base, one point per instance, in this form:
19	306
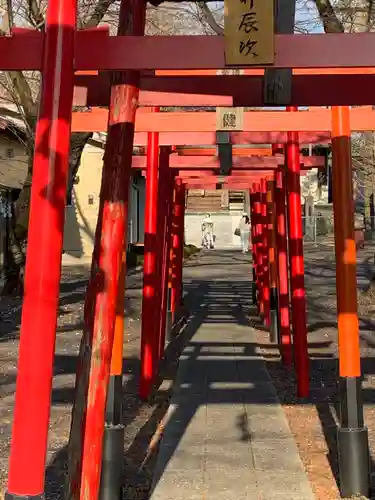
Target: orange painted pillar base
352	440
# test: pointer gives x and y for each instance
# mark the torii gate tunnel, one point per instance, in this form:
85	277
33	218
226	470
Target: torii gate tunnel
176	71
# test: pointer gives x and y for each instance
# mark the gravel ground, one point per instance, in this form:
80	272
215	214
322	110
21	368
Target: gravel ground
313	420
141	420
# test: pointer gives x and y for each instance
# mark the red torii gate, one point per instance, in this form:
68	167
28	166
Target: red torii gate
201	88
58	52
258	126
153	328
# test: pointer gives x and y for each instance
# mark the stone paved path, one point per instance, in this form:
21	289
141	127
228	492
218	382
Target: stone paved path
226	434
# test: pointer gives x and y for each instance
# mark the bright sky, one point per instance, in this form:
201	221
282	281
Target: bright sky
307	18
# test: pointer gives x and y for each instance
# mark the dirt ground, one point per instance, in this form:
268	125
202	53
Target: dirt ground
313	421
141	420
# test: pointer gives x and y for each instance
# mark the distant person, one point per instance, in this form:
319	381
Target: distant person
244	227
208	232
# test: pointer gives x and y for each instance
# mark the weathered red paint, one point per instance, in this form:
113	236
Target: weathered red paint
43	265
85	447
189	52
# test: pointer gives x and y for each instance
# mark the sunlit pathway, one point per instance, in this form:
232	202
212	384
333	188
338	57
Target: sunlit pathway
227	436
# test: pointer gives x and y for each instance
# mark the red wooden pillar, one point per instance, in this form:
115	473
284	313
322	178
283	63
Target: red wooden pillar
272	252
86	439
149	340
43	263
265	255
282	269
160	244
181	246
352	435
296	263
178	221
253	242
259	248
166	244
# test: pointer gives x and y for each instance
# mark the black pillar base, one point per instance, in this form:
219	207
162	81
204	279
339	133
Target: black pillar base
12	496
274	317
354	462
113	412
254	292
254	288
112	463
352	440
169	326
274	335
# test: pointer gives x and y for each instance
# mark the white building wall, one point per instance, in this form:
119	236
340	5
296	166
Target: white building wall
224	226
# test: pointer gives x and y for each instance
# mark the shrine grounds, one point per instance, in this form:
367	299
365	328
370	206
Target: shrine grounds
312	421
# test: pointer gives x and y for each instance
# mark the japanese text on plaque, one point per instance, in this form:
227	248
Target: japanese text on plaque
249	32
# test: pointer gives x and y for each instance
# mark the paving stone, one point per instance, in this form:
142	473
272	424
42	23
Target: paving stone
239	483
229	438
275	485
226	455
185	456
268	425
180	484
276	455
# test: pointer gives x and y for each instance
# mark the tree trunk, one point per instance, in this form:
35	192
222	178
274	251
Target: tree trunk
18	232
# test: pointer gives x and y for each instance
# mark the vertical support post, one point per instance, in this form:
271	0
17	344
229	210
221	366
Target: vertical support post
265	255
113	440
282	270
259	248
149	344
352	434
180	269
177	249
297	277
160	248
168	177
86	451
43	262
253	243
177	246
272	252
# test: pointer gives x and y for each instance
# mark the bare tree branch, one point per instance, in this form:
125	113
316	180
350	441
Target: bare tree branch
209	18
35	15
100	11
331	22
